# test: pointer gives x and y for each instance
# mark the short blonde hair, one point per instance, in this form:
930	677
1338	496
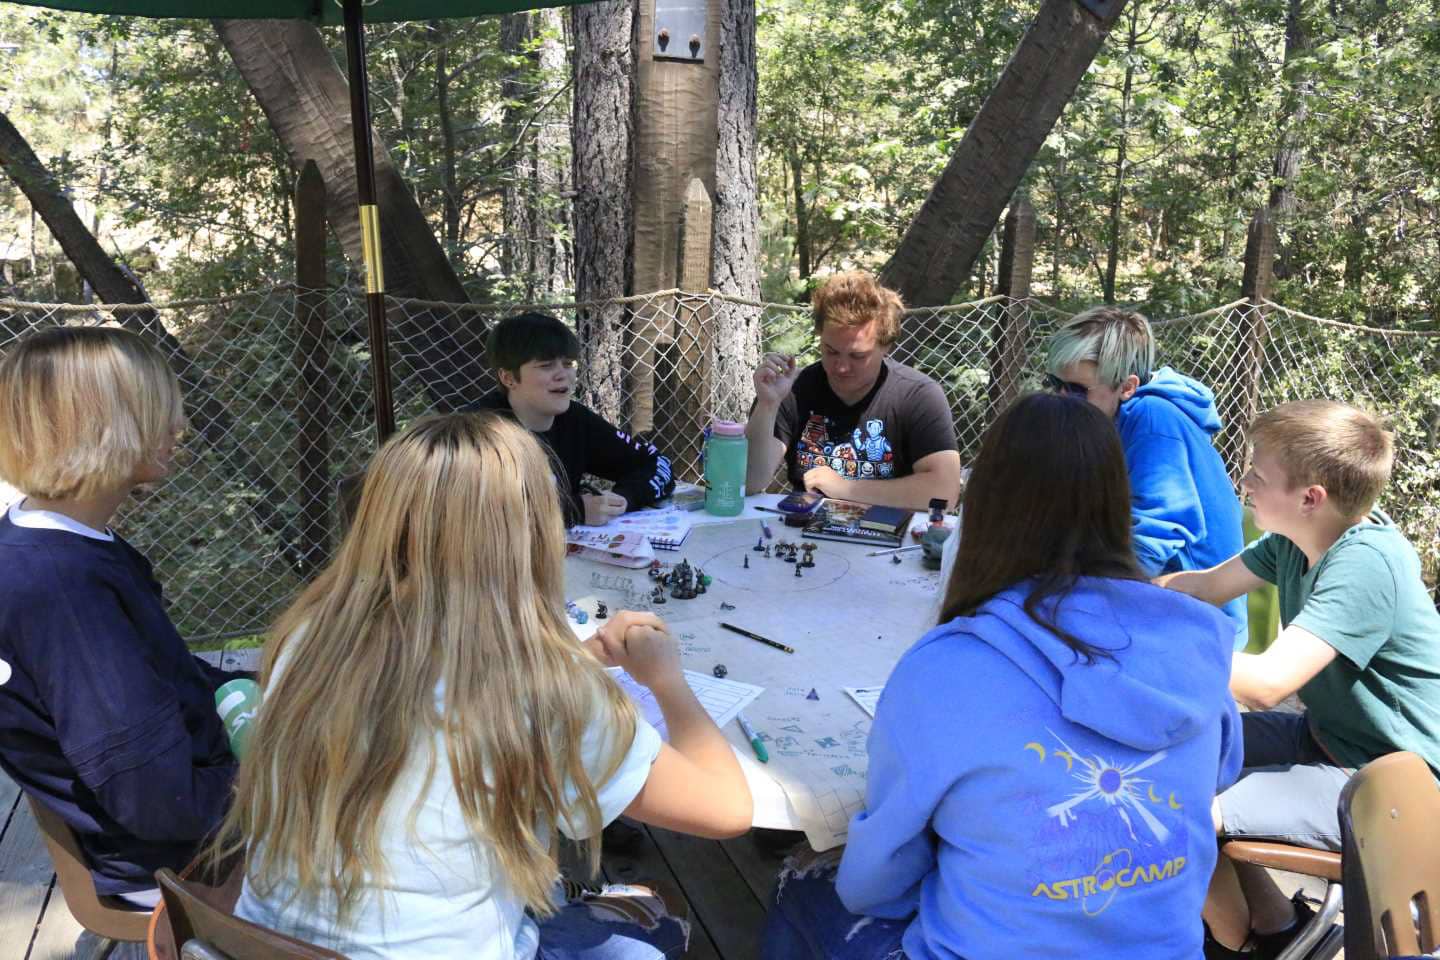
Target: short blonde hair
1343	449
1118	341
854	298
81	408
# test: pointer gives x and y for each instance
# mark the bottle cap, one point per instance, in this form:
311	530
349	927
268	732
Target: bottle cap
727	428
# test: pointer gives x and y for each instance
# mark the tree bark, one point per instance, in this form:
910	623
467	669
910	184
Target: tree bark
552	158
449	185
1122	148
802	217
735	250
517	202
207	414
602	133
940	246
536	252
306	99
1295	108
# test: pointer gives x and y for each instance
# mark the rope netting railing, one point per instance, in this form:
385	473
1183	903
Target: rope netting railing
277	385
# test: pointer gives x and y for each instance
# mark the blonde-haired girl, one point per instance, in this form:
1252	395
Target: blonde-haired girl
105	717
430	722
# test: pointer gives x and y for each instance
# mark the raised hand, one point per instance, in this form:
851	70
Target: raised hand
775	377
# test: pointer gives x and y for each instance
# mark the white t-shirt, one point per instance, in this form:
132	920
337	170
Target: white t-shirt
443	896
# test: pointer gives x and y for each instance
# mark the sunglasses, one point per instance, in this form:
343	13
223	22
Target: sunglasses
1066	387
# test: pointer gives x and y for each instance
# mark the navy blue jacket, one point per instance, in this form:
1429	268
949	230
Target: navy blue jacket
105	715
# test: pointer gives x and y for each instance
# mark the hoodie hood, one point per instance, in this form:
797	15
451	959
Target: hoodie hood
1191	397
1139	695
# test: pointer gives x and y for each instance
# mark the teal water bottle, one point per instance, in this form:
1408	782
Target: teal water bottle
725	451
237	701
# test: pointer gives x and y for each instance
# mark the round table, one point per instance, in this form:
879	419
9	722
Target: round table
848	618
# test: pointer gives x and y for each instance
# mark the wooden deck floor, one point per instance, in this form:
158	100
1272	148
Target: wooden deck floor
725	883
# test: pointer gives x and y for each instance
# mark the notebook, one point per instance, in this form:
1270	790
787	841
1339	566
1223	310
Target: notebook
665	529
859	523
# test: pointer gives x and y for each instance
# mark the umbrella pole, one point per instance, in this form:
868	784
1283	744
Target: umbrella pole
369	220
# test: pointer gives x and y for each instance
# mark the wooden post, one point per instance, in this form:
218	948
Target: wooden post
1012	329
1251	336
313	406
686	397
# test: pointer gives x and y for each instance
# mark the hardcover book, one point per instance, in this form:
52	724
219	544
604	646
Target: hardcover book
859	523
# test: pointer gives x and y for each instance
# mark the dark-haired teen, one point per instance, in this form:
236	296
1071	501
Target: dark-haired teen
534	357
1042	762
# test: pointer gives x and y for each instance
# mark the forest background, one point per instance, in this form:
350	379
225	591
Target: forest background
1194	114
1142	191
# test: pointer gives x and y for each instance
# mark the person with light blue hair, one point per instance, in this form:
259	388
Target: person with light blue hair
1185	510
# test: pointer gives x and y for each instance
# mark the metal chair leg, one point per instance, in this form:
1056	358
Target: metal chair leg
1317	929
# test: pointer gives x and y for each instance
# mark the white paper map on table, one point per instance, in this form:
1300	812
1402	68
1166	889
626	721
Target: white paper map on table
722	699
818	756
866	697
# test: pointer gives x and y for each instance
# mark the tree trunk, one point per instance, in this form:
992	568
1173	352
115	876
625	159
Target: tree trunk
940	246
306	99
449	185
802	217
1295	108
735	253
1057	246
602	132
536	222
1117	188
552	158
207	414
518	200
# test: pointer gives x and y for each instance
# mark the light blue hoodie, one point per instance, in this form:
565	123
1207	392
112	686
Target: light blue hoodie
1186	513
1025	804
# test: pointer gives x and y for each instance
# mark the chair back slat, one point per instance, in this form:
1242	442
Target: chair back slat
195	914
102	916
1390	828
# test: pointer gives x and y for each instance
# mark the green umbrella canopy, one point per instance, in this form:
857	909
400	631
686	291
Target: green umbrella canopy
316	11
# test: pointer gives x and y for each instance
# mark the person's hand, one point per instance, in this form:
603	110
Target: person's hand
640	643
825	481
601	508
775	377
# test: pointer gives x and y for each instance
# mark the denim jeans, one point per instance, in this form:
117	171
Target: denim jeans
807	921
613	922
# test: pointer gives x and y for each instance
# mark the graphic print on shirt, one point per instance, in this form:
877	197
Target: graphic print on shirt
1106	835
865	453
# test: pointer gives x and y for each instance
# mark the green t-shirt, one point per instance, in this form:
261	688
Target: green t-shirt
1365	598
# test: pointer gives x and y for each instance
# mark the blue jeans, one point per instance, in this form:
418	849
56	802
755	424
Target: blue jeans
807	921
612	922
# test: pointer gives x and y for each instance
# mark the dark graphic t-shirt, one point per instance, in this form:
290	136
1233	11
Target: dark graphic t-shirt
904	418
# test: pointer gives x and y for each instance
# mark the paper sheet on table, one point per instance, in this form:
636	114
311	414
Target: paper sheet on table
722	699
866	697
818	756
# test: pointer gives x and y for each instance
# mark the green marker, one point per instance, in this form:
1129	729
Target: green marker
755	741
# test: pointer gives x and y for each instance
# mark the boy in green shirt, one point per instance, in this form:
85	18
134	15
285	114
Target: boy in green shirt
1360	644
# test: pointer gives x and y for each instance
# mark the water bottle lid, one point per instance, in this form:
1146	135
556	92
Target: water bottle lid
727	428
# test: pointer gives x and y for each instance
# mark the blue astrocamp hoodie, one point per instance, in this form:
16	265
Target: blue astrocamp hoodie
1184	507
1025	804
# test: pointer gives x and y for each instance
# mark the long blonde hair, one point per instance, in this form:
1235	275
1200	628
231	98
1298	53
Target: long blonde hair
453	573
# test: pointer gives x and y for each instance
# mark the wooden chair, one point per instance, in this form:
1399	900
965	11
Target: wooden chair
199	920
1320	939
1390	829
103	916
